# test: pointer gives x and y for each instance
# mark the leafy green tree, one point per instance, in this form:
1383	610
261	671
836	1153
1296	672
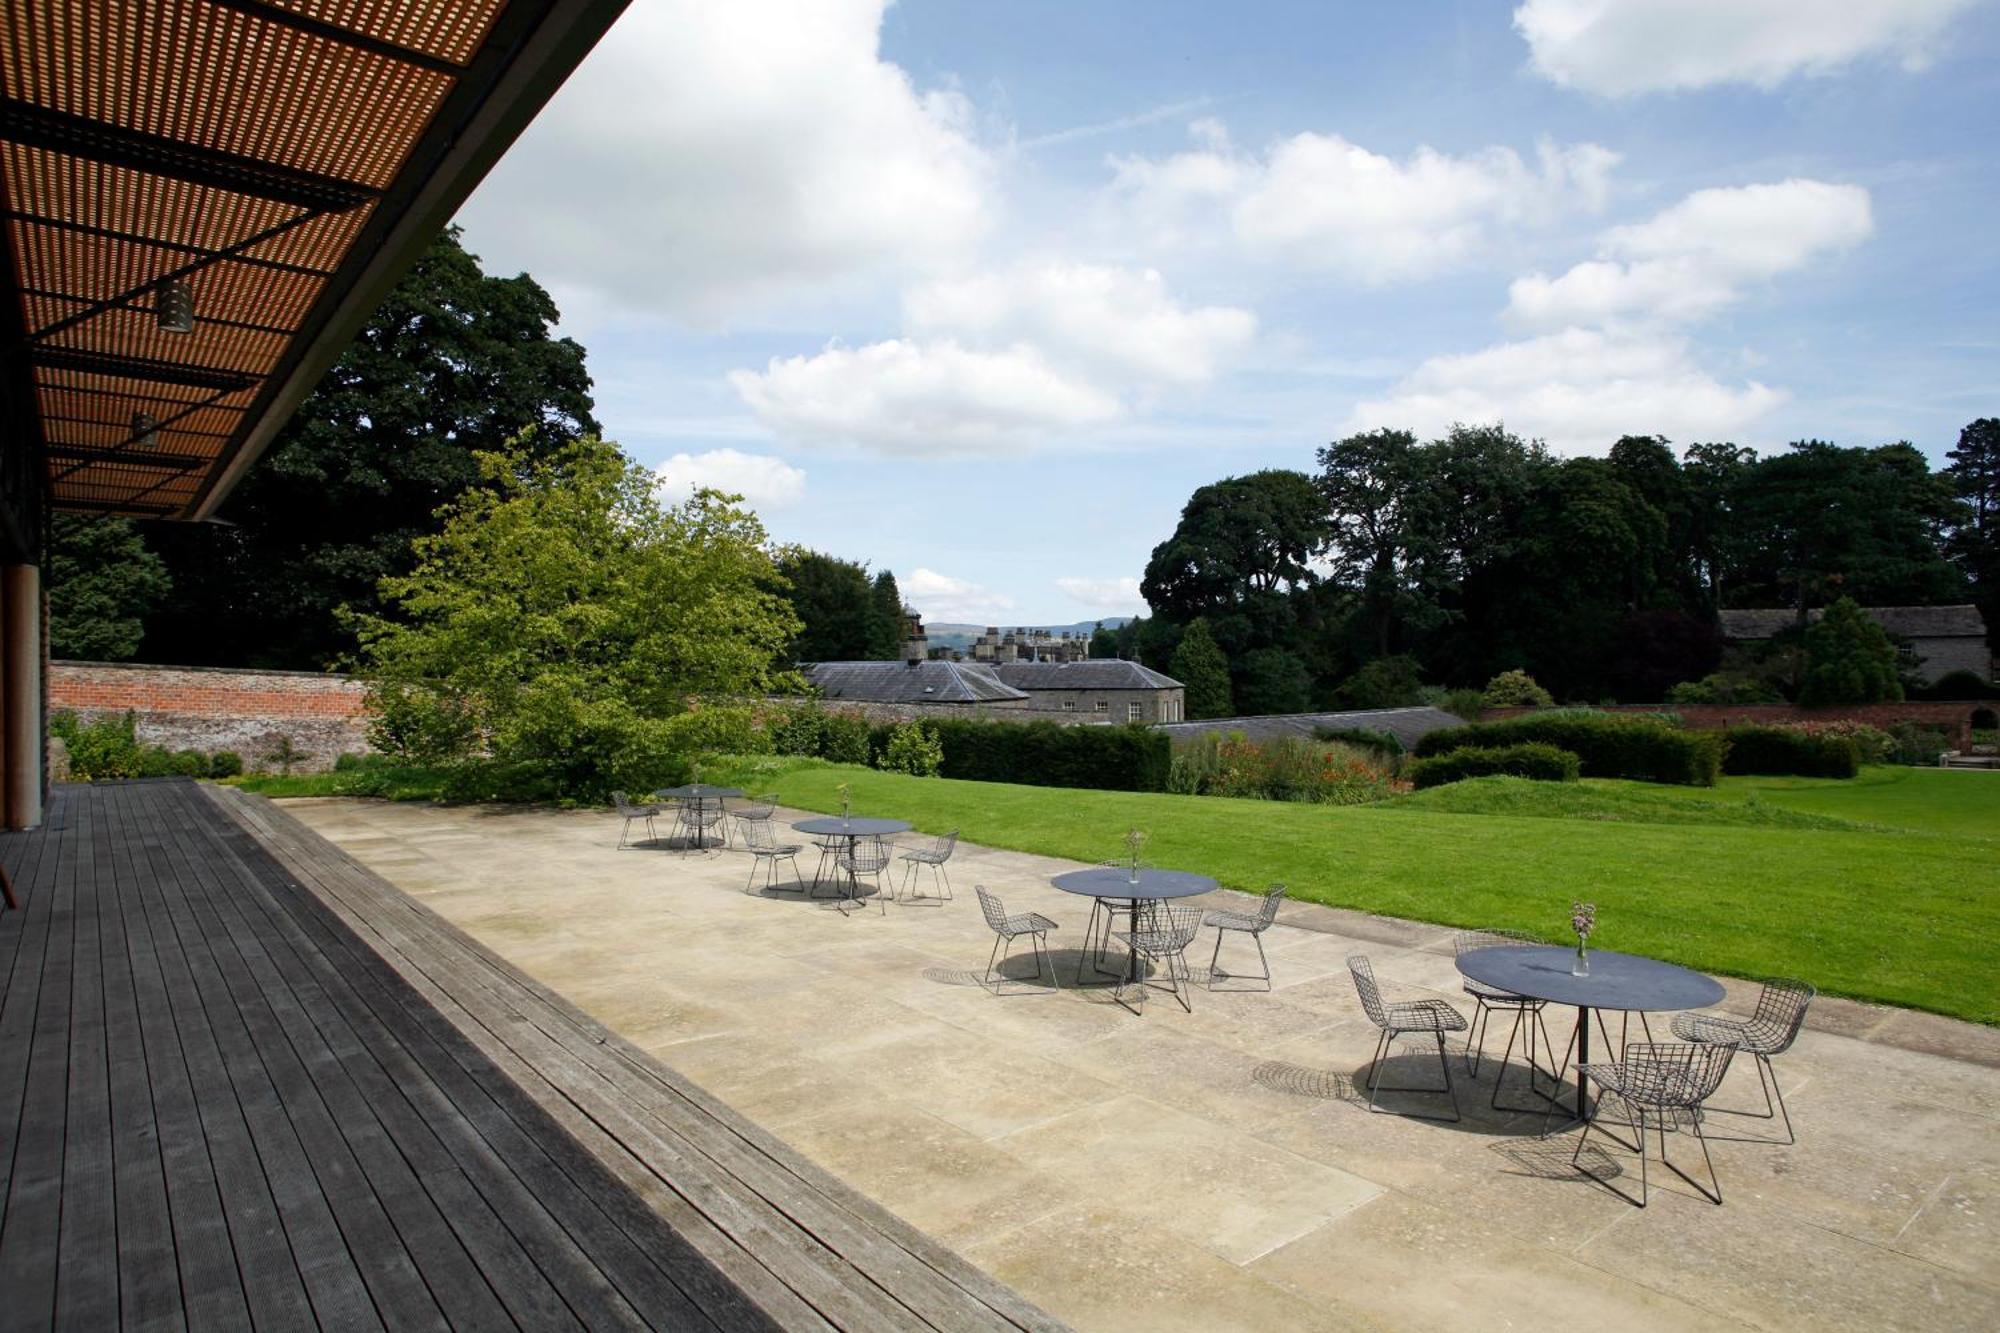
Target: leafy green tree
455	362
1271	680
102	580
1237	539
560	629
1373	485
1199	664
1103	641
832	599
885	618
1714	476
1849	660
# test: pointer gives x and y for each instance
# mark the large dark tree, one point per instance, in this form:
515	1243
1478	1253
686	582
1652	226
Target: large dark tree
102	581
1975	545
455	361
1820	522
884	610
832	599
1199	665
1238	539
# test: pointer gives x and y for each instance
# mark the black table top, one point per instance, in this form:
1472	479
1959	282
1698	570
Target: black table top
695	791
1620	981
855	827
1116	882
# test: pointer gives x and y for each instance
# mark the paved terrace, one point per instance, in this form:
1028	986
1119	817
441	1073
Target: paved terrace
1214	1170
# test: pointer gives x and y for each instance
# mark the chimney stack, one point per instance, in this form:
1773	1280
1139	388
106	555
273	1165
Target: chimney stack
915	646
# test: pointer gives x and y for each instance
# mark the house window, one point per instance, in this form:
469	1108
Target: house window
1103	706
1069	705
1133	712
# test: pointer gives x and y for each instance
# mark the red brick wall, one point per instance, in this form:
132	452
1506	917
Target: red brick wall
1955	718
214	708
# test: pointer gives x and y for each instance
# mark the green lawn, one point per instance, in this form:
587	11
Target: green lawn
1885	888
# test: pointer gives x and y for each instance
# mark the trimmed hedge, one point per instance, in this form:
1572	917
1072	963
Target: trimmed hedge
1531	759
1645	749
1046	754
1789	752
1382	742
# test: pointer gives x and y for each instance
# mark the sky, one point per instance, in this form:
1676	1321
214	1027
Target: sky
980	293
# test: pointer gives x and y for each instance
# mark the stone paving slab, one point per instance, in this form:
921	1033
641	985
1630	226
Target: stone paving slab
1217	1169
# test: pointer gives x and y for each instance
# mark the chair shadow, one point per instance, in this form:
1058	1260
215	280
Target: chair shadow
1021	968
1412	1086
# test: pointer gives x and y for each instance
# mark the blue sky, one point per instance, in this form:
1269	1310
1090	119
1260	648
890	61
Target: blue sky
980	292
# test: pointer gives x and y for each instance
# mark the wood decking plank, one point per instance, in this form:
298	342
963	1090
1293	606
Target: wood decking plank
400	1153
29	1231
550	1175
35	860
688	1131
87	1240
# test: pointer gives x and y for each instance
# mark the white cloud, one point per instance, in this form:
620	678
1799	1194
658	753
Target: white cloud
942	598
1693	258
1122	320
1619	47
1119	596
764	482
1579	389
1001	360
708	159
1321	201
903	397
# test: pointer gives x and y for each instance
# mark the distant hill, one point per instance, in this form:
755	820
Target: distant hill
946	634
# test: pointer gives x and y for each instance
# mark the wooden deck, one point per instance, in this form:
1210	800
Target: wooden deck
246	1083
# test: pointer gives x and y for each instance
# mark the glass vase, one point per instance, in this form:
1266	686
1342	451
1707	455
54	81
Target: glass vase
1580	967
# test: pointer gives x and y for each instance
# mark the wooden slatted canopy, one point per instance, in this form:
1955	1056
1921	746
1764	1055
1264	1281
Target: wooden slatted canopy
285	159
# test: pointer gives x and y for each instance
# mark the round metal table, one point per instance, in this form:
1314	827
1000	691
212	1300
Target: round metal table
854	829
699	794
1113	886
1620	982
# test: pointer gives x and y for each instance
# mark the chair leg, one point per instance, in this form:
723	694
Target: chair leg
1475	1035
1375	1084
1214	957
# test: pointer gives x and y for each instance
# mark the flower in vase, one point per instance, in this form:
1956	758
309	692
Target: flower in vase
1582	920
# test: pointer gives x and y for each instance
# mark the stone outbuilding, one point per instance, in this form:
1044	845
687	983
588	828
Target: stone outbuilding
1934	640
1104	690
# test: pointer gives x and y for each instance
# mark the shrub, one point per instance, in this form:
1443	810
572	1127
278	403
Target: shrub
1530	759
156	761
1286	768
796	729
913	748
1962	684
1468	704
1646	749
1722	687
1515	689
1874	745
1790	752
1382	742
99	751
1922	746
1385	682
225	764
190	764
1849	660
1045	754
843	738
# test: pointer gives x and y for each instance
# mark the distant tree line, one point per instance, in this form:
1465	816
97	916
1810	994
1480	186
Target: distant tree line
1403	566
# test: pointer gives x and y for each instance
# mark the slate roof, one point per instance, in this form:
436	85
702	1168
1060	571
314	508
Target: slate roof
1099	674
1910	622
903	683
1406	724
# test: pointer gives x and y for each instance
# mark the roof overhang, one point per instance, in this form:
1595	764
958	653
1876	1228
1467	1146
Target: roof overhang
287	160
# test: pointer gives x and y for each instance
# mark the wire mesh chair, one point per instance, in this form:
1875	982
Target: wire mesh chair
1526	1010
761	840
933	856
829	846
631	811
1006	929
1163	936
865	856
1097	931
698	822
754	810
1406	1018
1253	924
1660	1081
669	805
1770	1030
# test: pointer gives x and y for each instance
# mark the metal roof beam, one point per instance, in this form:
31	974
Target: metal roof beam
178	247
333	32
155	154
74	453
141	368
155	510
